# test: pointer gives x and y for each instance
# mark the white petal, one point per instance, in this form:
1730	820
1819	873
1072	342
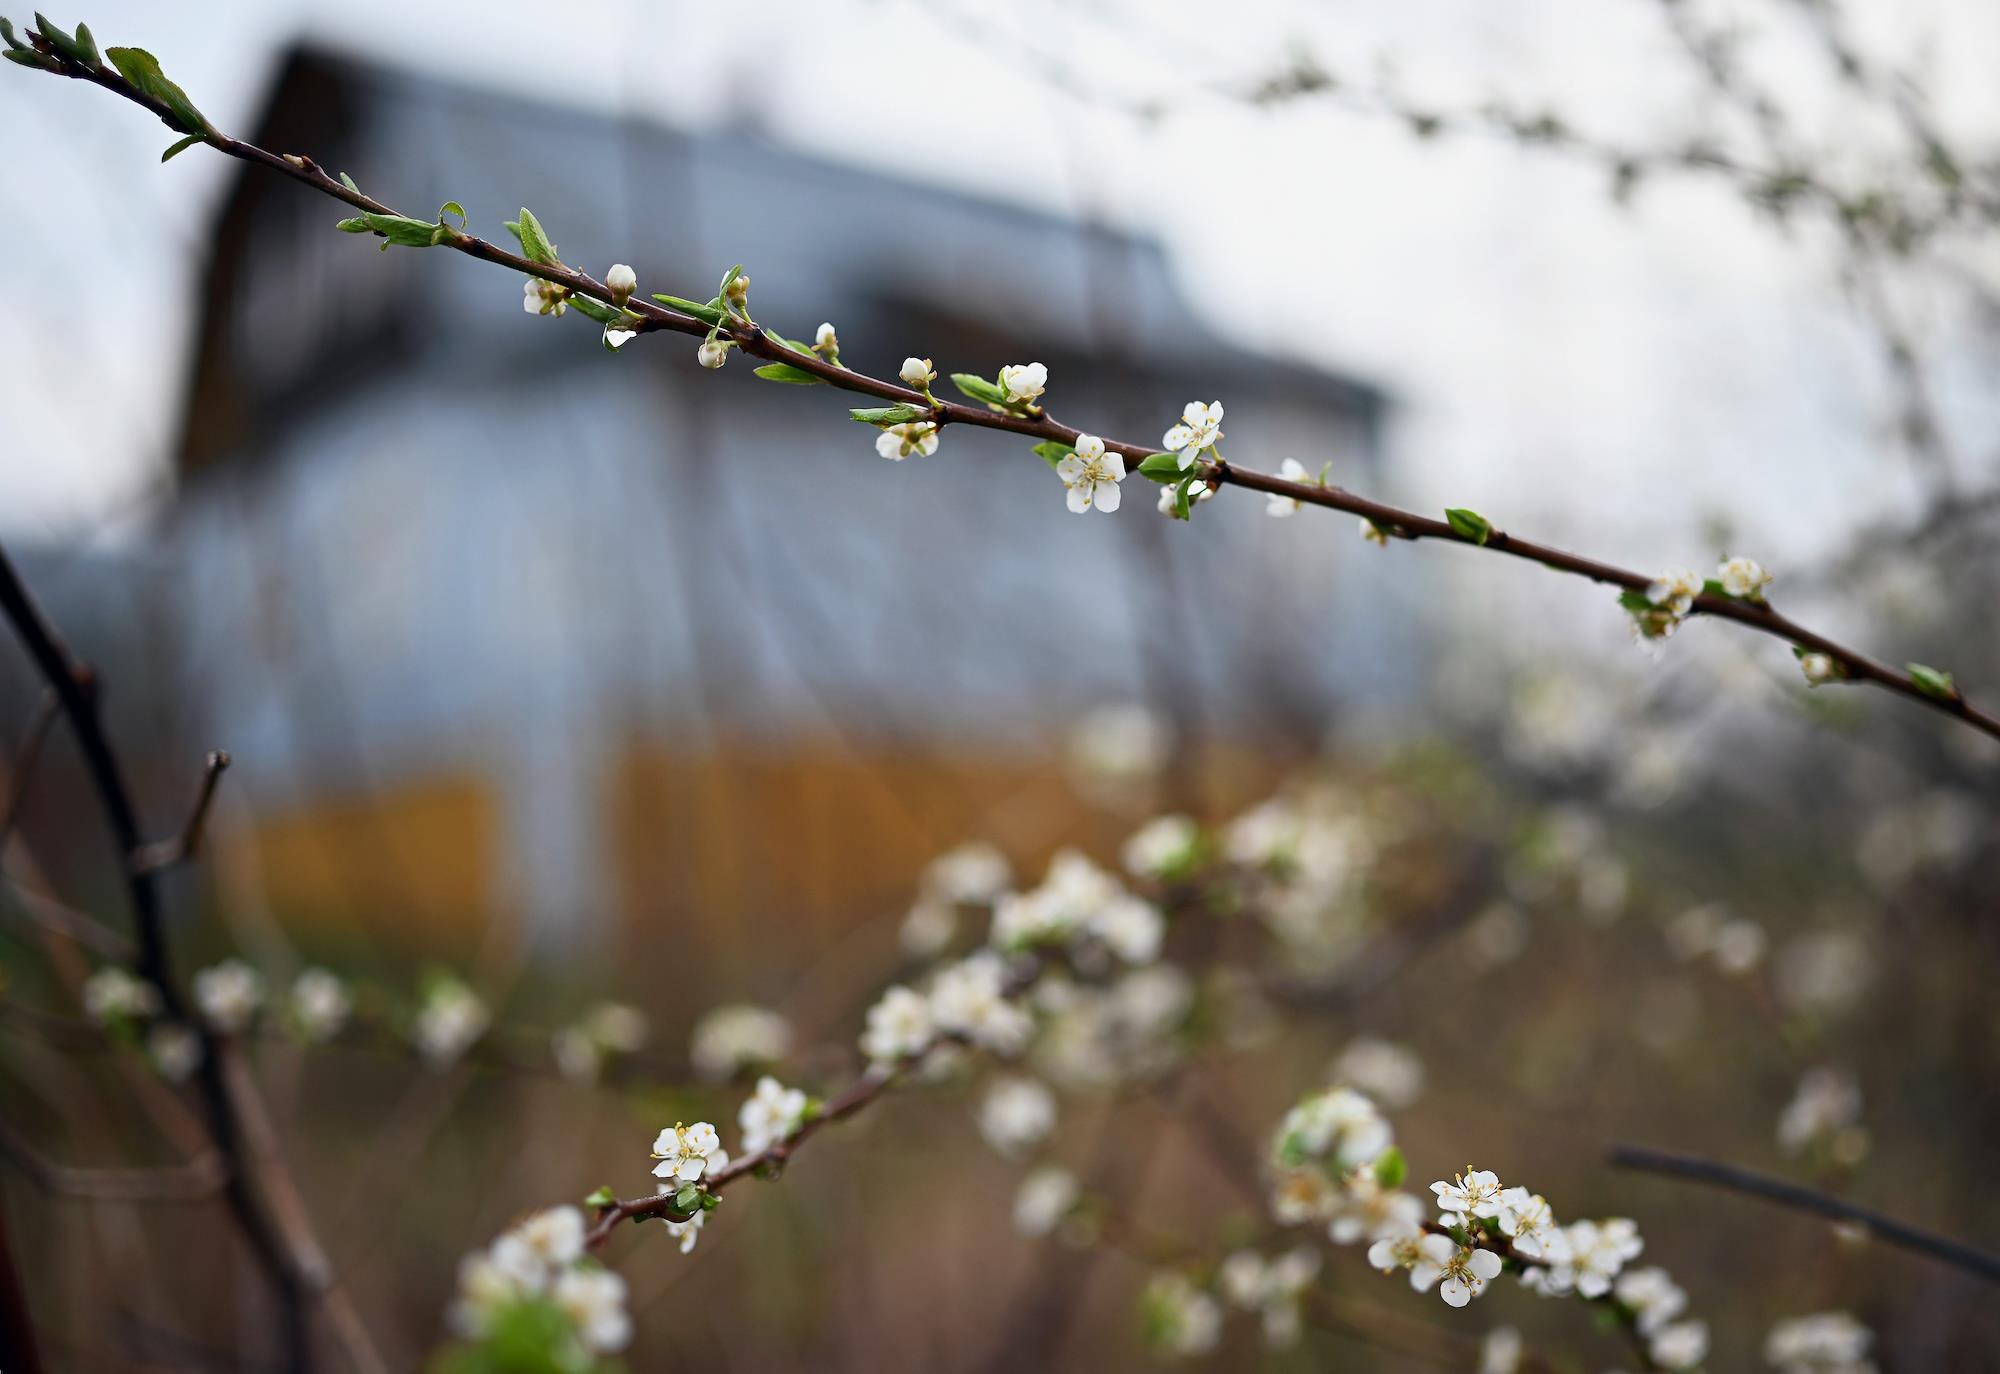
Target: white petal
1107	496
1079	498
1455	1291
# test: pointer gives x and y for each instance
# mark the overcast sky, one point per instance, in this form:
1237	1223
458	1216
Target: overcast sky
1612	375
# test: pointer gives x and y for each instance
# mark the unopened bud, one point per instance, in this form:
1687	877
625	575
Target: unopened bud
621	281
826	338
739	289
713	353
918	372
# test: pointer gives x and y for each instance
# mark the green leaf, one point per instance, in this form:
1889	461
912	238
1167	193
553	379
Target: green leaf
1183	501
597	310
1711	587
7	32
1932	682
181	147
887	415
1051	452
978	388
535	244
603	1197
731	275
1469	524
710	1201
1390	1168
83	52
688	1198
142	70
348	182
785	372
28	57
397	229
1164	468
1635	601
86	45
707	314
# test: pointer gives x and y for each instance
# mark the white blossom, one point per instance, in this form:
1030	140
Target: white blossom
918	372
1120	742
1199	429
320	1005
577	1057
1197	494
1598	1251
772	1113
1530	1224
686	1232
1017	1114
174	1049
928	928
551	1238
540	297
1820	669
1044	1198
712	353
1820	1343
1460	1272
1474	1193
1180	1319
621	281
594	1301
899	1025
1091	475
485	1286
1651	1295
974	872
825	340
685	1152
1824	1111
1392	1074
1024	382
1680	1346
229	994
111	995
1339	1124
897	442
1391	1253
969	998
451	1019
1364	1210
1743	577
737	1036
1130	927
1500	1351
1162	847
1292	470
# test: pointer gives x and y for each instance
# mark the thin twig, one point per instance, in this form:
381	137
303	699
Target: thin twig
200	1178
1801	1198
182	847
647	316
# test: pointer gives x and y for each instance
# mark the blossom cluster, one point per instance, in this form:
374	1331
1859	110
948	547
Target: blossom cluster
1669	599
229	998
533	1290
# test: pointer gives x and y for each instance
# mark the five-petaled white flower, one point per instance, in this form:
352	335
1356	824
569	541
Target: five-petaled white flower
1200	427
899	1025
229	994
770	1114
621	281
540	297
1464	1271
897	442
594	1301
1598	1250
1474	1193
1652	1297
1743	577
1092	475
918	372
684	1152
1024	382
1391	1253
1530	1223
969	999
1292	470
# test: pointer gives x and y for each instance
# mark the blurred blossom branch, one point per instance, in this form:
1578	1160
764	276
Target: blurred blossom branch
1785	1193
1090	466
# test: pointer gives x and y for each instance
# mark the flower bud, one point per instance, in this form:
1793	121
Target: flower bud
826	339
739	289
918	372
712	353
621	281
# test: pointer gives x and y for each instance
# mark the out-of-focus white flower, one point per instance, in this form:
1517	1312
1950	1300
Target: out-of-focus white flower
1266	834
1820	1343
451	1019
1122	742
1474	1193
738	1036
1528	1221
1091	475
1651	1295
1674	592
1824	1112
229	994
1198	493
1180	1319
975	872
1680	1346
684	1152
1743	577
1339	1124
617	1027
918	372
1397	1252
594	1301
1163	847
771	1114
174	1049
899	1025
1130	927
1292	470
1820	669
1598	1251
552	1238
1460	1272
1199	429
1392	1074
621	281
1270	1287
1823	972
897	442
577	1057
969	998
540	297
1739	947
1044	1198
712	353
1500	1351
686	1232
485	1287
1364	1210
112	995
1017	1114
928	928
320	1005
1024	382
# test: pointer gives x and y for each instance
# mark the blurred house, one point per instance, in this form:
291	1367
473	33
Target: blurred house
495	620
